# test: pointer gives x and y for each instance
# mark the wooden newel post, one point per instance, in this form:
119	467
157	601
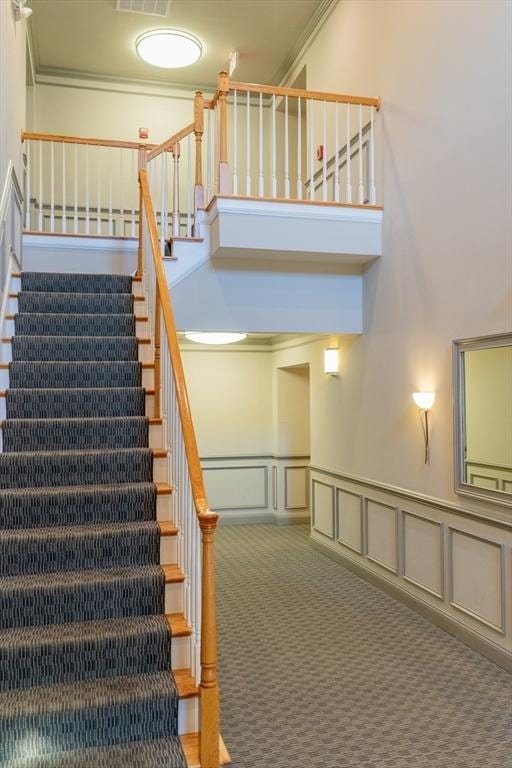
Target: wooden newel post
223	89
198	133
176	151
142	164
209	732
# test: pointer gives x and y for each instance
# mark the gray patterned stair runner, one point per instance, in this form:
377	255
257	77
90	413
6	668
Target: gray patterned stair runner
85	678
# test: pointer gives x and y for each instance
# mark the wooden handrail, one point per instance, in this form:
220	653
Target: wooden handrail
168	144
304	94
59	139
209	691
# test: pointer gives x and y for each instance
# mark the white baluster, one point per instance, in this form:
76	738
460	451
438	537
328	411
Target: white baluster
299	149
261	178
349	157
312	150
189	185
75	192
286	151
63	189
336	155
373	193
27	193
40	217
98	191
133	177
52	188
274	148
360	158
209	157
121	191
87	189
235	143
248	184
110	220
176	192
163	202
324	155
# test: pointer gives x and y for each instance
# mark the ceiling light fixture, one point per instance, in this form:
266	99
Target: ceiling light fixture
214	338
168	48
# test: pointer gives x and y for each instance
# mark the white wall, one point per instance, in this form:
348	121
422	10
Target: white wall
442	70
12	90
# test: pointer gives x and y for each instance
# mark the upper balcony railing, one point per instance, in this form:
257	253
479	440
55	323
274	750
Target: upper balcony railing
248	140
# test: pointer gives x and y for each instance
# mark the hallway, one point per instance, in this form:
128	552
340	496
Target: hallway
319	669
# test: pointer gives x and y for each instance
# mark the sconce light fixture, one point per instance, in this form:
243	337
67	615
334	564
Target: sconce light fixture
331	361
20	9
425	401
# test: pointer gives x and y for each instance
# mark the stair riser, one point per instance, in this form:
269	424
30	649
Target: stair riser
188	715
174	598
145	352
161	471
180	652
139	307
168	550
147	382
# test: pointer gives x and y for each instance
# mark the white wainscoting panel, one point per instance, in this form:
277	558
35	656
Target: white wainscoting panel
382	534
349	518
449	563
230	488
296	488
323	508
477	578
422	553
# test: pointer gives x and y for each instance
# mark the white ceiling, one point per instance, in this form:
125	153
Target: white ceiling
92	38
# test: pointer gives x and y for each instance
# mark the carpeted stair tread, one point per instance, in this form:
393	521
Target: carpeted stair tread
74	348
64	653
73	303
57	598
74	403
68	282
50	550
23	435
71	374
46	324
58	468
77	505
87	714
142	754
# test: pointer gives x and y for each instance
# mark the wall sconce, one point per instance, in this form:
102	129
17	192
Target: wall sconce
20	9
425	401
331	361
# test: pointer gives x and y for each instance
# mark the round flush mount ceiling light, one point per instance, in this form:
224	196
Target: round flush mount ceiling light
168	48
215	338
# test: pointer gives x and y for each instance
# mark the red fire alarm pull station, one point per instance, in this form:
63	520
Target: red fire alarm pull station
320	152
143	133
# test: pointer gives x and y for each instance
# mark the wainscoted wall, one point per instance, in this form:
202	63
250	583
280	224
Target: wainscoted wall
255	489
449	564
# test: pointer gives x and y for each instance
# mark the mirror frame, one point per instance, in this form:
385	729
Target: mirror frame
459	347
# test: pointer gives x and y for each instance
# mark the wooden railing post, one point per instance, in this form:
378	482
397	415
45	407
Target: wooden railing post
223	90
198	133
209	731
176	151
142	164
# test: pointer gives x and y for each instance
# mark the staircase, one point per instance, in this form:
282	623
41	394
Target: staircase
85	643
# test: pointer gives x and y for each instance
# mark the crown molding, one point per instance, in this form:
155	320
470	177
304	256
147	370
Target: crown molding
68	78
309	33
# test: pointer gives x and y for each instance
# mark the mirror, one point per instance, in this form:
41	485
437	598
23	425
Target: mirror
483	417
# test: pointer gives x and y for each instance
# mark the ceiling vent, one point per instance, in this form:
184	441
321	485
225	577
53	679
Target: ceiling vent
149	7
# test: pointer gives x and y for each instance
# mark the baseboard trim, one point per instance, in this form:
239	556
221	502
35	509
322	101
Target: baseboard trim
448	624
262	518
